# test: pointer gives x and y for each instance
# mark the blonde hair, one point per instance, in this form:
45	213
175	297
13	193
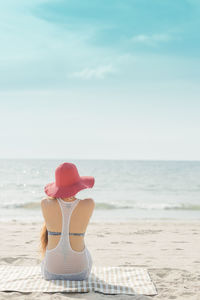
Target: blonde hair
43	240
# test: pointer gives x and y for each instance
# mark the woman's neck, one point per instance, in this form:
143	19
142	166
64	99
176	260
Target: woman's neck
69	199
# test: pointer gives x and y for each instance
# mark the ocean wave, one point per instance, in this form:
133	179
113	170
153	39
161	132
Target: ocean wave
102	205
108	206
36	205
167	206
28	205
183	207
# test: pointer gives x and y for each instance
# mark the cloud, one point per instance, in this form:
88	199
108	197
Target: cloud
151	39
98	73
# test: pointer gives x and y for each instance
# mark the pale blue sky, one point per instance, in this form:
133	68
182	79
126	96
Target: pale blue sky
100	79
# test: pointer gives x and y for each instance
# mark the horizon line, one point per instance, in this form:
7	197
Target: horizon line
112	159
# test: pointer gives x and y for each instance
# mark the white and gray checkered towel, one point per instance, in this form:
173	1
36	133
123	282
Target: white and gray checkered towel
106	280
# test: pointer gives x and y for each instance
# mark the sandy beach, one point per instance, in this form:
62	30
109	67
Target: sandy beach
170	250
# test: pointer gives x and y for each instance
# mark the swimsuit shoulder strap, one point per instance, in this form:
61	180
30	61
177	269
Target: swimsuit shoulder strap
67	209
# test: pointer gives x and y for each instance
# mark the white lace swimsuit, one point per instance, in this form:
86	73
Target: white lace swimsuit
62	262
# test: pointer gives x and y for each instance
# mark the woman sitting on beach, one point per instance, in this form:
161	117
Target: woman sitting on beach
66	220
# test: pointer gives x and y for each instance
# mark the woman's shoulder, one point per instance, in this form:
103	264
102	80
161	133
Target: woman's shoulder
88	202
86	207
47	201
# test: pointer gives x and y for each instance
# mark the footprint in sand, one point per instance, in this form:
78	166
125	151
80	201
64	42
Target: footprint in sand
10	259
183	242
126	242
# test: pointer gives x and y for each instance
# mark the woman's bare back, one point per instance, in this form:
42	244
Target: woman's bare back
78	222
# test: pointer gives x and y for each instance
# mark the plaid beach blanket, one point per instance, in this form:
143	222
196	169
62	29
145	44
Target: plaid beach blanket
106	280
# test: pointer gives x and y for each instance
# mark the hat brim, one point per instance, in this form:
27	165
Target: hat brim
54	191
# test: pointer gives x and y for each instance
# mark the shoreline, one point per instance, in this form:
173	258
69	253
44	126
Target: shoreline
129	221
112	221
169	250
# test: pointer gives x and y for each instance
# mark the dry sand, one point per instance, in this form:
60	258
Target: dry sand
170	250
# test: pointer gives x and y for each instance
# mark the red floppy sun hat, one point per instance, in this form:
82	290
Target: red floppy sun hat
68	182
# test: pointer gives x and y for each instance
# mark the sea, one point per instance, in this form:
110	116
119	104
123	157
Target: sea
124	190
